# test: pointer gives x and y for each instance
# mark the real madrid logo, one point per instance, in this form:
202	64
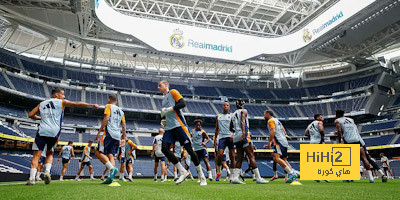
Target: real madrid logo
176	39
307	35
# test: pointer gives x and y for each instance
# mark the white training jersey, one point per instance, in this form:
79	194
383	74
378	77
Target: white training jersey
385	161
313	130
236	119
349	129
51	114
158	142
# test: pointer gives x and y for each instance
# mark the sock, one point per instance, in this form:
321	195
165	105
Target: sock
199	171
276	173
130	175
228	172
38	174
235	174
381	172
165	177
257	174
91	175
32	174
155	176
121	175
109	165
61	177
209	174
219	169
286	175
288	170
370	177
176	174
77	176
48	167
180	168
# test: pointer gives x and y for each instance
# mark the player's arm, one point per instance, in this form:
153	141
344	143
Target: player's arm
34	112
123	127
339	131
59	155
154	148
204	135
271	125
243	118
216	133
72	152
86	155
67	103
307	133
133	145
321	131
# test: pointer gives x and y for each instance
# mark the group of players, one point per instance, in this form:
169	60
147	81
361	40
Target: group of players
232	137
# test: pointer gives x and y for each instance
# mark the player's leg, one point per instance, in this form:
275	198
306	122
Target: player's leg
208	167
65	167
34	165
219	156
40	168
156	169
275	169
163	171
104	174
238	165
122	170
366	165
82	165
253	164
129	169
50	142
91	171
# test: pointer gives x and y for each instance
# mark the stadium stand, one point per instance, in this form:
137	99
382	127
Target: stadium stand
200	107
28	87
206	91
285	111
96	98
42	69
119	82
136	102
3	81
379	126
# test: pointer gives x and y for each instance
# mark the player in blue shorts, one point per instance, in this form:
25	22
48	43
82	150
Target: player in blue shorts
85	161
129	157
176	130
114	127
278	141
241	139
66	153
51	113
199	142
225	159
159	156
225	140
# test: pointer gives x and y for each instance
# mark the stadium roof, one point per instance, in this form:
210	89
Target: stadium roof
59	30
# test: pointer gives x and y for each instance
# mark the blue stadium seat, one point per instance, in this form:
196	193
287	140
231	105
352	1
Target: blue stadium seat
28	87
136	102
206	91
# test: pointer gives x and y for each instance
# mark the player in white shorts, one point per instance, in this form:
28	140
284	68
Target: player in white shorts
66	153
159	156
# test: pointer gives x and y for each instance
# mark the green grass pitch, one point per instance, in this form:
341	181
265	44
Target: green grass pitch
147	189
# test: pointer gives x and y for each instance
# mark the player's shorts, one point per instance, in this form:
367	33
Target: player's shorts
177	134
179	158
280	149
129	161
122	160
42	160
65	161
108	146
201	154
41	141
87	163
225	142
242	143
354	143
158	159
224	158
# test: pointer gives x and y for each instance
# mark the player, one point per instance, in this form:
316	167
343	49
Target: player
86	158
315	130
277	140
130	155
200	140
66	153
385	165
223	140
225	159
51	113
114	127
240	127
347	129
42	160
121	159
158	156
178	154
274	164
176	130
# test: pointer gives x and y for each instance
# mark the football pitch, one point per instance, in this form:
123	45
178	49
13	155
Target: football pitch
147	189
